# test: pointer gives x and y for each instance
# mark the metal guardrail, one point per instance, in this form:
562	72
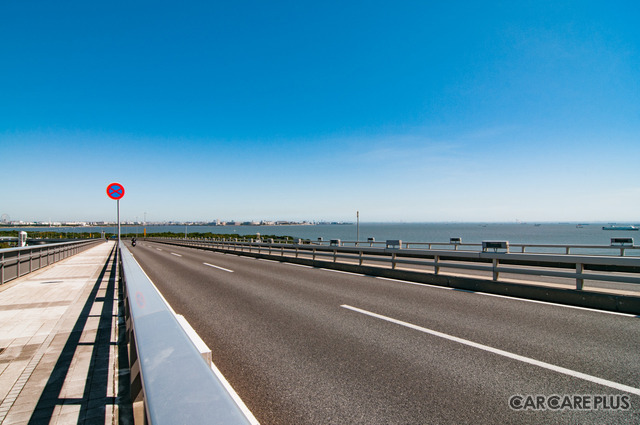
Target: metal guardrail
581	267
168	373
17	262
455	244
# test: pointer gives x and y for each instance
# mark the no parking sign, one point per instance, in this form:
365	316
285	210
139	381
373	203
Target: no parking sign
115	191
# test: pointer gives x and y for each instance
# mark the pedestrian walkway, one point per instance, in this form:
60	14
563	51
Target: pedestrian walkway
63	359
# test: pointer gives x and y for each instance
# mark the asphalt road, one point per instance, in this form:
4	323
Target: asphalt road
311	346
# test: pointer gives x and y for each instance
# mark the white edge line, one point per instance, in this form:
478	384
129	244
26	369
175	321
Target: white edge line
299	265
414	283
559	305
218	267
340	271
503	353
234	395
615	313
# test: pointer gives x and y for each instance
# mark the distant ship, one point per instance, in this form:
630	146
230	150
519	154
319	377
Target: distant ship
620	228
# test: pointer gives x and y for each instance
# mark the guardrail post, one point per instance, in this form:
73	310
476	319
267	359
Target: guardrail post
30	260
436	267
496	274
2	270
579	279
360	258
568	249
313	257
393	261
18	266
335	253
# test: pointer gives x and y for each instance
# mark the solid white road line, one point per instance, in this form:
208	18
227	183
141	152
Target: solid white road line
340	271
615	313
575	307
299	265
177	255
503	353
218	267
234	395
414	283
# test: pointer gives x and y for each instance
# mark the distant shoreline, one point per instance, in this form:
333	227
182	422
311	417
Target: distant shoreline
336	223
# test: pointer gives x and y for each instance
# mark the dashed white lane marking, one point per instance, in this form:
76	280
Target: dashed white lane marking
218	267
503	353
177	255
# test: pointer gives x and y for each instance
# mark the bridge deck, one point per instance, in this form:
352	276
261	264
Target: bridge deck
60	344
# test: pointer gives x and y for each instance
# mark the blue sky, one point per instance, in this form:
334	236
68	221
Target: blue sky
247	110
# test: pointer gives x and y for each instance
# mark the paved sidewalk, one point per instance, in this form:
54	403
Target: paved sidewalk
62	355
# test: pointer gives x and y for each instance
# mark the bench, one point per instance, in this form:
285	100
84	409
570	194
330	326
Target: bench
495	245
621	241
393	244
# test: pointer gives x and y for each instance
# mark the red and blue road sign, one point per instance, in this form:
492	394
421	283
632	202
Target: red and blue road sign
115	191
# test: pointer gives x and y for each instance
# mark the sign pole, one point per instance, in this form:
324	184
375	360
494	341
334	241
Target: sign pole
118	221
116	191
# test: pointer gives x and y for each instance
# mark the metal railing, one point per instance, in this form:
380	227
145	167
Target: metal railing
614	249
575	267
17	262
168	374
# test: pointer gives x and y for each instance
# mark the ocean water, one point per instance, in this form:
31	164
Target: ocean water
515	233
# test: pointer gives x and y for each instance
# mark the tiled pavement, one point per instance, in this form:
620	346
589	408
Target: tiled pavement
63	359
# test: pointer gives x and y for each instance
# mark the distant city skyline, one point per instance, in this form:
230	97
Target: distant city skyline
405	111
222	223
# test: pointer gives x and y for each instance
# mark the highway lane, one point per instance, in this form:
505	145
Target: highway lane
300	347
